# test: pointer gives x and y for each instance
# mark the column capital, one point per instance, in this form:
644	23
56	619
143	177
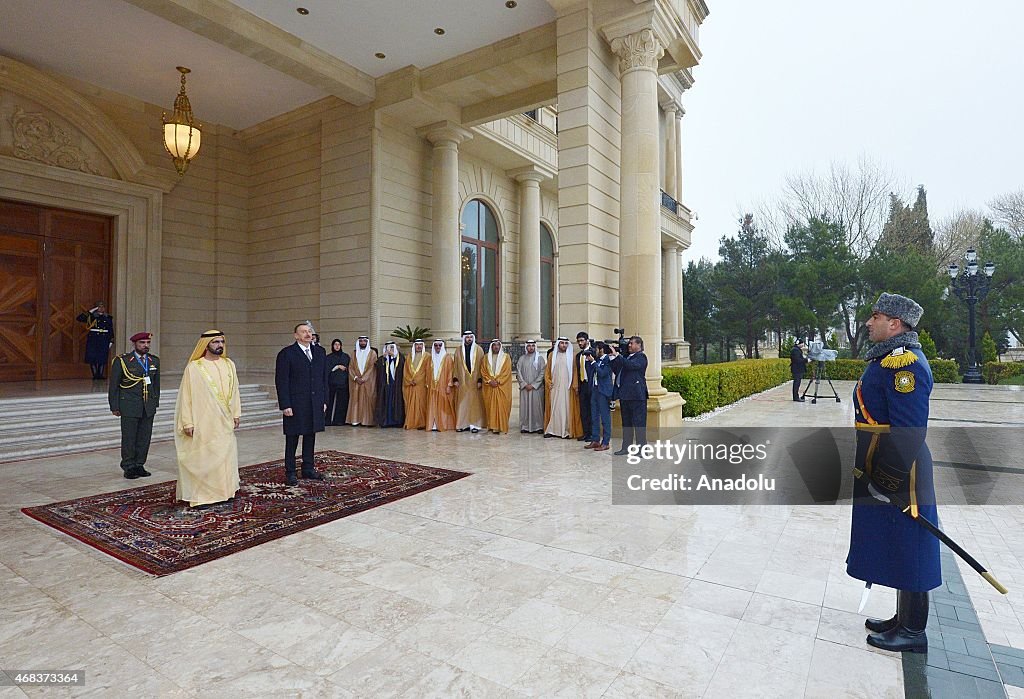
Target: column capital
530	173
638	50
443	132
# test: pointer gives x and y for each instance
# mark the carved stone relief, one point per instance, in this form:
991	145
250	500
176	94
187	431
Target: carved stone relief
37	138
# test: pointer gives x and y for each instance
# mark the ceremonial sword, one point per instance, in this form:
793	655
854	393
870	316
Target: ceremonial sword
940	535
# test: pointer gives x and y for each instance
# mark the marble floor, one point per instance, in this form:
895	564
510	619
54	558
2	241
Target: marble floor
522	580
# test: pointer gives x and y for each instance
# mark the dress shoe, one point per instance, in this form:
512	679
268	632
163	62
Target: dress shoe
290	479
143	472
602	447
581	439
132	474
474	430
313	475
908	636
462	430
548	435
590	445
621	452
881	625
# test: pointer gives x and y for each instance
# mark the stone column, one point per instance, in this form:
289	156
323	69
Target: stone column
679	288
446	279
529	179
671	147
640	210
671	294
678	127
640	262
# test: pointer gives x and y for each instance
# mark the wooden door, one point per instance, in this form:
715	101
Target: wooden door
54	264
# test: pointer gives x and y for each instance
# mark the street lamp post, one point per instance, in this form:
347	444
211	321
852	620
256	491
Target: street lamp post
971	287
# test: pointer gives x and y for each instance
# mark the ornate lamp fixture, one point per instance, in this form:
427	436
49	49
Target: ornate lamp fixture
182	134
971	287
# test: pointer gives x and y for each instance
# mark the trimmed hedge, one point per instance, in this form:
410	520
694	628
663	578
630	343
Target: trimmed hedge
994	372
945	370
709	386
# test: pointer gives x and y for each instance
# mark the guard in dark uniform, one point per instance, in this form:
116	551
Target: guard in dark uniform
134	396
891	411
99	340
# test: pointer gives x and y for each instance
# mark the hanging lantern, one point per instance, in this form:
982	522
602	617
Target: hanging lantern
182	135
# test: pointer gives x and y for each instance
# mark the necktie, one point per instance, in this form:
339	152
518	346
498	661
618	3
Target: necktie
309	354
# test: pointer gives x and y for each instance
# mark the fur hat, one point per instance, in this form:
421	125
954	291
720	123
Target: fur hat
896	306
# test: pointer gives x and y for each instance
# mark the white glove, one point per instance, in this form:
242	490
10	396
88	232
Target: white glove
875	493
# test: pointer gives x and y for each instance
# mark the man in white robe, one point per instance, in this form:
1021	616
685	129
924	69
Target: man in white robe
530	375
562	398
206	414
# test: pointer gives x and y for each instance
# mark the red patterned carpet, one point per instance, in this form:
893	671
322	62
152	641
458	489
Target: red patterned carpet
148	529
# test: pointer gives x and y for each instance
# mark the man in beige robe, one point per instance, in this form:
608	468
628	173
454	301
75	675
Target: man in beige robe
469	415
561	389
440	389
530	375
206	415
497	389
415	387
362	385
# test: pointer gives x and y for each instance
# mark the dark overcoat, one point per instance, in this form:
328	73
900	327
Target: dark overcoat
302	386
631	370
891	411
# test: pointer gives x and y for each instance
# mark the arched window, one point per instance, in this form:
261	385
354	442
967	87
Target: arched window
480	278
547	282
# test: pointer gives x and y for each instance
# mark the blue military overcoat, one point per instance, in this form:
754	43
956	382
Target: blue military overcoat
891	410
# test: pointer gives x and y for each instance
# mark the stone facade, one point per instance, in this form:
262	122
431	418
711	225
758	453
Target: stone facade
349	215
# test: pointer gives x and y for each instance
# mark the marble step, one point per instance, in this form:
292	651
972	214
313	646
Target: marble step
52	427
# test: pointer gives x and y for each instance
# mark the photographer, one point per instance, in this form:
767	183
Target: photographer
602	383
630	373
797	367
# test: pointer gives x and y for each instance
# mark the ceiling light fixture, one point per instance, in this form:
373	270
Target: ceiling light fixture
439	31
380	55
182	134
511	4
302	11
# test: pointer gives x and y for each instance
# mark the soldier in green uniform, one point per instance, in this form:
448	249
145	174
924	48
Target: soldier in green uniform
134	396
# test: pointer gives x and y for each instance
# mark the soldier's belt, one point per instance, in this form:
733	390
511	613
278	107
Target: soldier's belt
98	330
867	427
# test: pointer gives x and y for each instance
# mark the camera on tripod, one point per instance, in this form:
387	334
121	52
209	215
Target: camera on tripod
816	352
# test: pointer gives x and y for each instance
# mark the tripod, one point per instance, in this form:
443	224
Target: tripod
820	372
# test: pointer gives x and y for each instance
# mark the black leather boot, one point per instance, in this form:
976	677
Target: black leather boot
883	625
909	635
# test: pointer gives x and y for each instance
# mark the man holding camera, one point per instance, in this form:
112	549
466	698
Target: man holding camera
797	367
580	364
630	373
599	371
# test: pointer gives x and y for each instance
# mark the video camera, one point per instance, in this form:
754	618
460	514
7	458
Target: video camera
622	342
816	352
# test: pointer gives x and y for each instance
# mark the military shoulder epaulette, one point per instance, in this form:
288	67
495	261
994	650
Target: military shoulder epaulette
898	358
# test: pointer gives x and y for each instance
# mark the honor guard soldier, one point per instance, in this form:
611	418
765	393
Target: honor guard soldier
891	411
134	396
99	340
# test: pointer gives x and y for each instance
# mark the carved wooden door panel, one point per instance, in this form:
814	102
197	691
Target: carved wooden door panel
76	273
53	265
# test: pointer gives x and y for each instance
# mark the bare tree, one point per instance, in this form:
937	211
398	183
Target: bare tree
858	197
957	232
1008	212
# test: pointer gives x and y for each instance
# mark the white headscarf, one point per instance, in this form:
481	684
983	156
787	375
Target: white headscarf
472	347
536	355
437	357
567	353
496	360
412	355
362	354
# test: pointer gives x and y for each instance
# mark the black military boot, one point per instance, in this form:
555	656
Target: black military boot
883	625
908	636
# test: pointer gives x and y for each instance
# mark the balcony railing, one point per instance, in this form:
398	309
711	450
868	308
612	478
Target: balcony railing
667	202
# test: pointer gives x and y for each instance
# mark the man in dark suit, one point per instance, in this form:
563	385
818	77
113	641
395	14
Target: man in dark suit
631	370
301	379
797	367
580	366
601	390
134	395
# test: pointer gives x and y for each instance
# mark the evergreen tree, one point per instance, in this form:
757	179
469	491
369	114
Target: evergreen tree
699	309
744	284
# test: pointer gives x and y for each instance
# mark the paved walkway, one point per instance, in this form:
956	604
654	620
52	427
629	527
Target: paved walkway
522	580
